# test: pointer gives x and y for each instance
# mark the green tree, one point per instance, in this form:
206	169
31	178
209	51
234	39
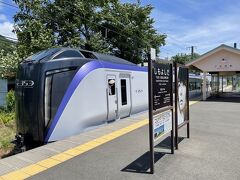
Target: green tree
8	58
71	23
42	24
6	44
30	27
133	33
8	64
184	58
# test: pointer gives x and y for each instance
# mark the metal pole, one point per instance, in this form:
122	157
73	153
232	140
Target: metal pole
150	104
222	84
176	114
188	125
172	132
192	52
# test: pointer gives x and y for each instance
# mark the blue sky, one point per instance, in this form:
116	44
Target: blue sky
201	23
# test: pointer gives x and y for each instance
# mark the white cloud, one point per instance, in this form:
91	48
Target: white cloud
206	33
6	29
213	32
3	17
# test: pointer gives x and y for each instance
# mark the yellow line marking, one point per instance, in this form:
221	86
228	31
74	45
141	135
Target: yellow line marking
15	175
73	152
101	140
62	157
192	102
33	169
48	163
92	144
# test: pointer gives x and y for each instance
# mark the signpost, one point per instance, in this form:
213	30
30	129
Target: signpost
181	100
160	103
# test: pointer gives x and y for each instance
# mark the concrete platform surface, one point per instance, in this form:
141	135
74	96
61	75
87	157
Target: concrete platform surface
34	156
212	152
120	150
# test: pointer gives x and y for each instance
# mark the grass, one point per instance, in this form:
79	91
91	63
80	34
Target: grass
7	131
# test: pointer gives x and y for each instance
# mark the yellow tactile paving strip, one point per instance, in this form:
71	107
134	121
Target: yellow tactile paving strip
43	165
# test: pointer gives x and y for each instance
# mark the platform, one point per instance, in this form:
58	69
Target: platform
120	150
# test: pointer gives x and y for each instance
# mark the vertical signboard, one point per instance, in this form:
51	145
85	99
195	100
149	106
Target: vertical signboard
182	96
162	85
181	99
162	98
160	104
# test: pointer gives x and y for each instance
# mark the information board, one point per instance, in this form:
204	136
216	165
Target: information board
162	85
162	124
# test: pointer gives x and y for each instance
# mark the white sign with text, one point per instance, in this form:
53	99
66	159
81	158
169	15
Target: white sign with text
162	124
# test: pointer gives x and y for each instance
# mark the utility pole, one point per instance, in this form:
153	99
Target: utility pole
106	33
192	50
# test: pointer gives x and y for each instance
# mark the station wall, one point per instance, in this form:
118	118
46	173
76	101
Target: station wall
3	92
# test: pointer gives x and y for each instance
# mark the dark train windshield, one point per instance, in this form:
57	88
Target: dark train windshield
42	54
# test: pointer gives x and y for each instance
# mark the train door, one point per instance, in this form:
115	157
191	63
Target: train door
124	96
112	104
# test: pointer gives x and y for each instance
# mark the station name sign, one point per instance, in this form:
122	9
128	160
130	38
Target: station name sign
162	85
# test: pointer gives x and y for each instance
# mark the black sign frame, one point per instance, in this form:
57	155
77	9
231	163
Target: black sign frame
185	122
156	111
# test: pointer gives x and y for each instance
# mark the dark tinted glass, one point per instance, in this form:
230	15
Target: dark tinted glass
124	91
43	54
67	54
60	83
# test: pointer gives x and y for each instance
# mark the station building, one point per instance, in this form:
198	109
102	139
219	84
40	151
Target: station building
223	65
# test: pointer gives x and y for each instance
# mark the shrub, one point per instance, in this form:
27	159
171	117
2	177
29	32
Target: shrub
7	117
10	101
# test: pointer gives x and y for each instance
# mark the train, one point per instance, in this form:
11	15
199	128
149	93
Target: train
62	92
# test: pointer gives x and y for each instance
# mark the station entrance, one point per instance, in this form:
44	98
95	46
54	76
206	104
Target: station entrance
221	71
225	83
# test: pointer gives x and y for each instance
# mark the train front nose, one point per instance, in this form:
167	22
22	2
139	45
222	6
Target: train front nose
27	100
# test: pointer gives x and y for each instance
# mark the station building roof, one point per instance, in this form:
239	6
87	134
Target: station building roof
220	59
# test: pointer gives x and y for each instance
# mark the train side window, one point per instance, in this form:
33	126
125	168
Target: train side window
67	54
124	92
111	87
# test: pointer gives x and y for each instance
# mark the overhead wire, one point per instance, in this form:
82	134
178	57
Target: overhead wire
8	4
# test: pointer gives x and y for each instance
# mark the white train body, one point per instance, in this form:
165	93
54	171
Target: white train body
92	104
61	92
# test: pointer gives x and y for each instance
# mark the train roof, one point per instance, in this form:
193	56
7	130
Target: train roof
63	52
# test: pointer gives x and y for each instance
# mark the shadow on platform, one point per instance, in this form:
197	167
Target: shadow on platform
166	143
142	164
